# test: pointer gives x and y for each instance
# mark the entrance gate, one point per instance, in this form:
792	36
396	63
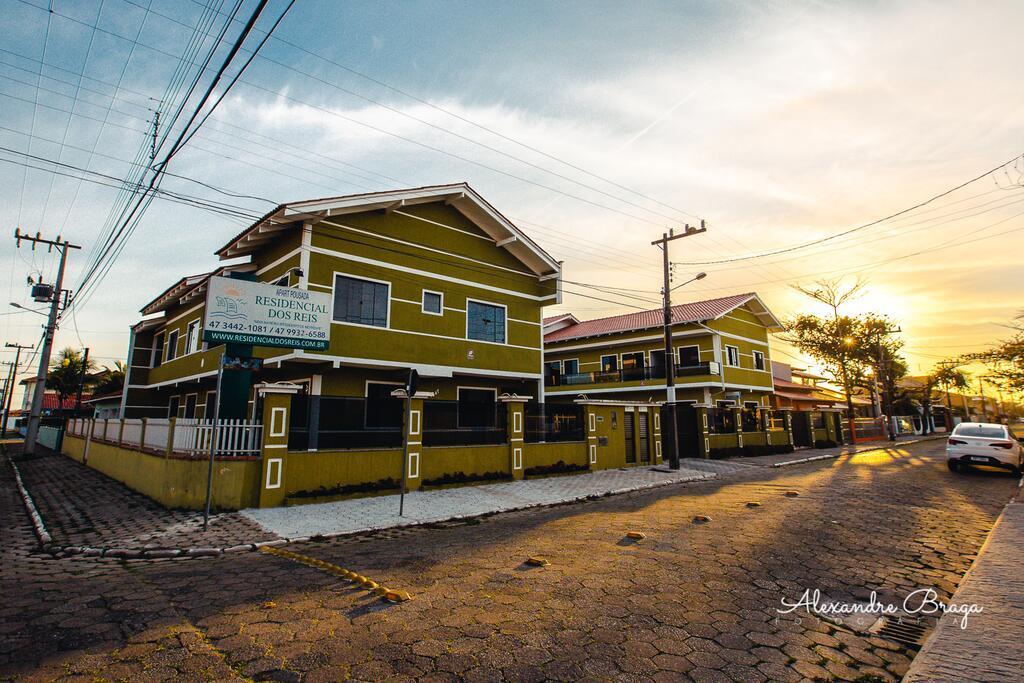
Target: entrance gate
802	435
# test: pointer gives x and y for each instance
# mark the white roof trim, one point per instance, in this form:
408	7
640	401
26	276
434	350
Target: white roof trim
459	195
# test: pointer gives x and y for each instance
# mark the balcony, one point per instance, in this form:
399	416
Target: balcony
628	375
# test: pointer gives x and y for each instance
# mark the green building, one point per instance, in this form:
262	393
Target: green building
432	278
721	352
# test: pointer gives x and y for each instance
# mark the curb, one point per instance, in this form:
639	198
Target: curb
47	545
829	456
919	660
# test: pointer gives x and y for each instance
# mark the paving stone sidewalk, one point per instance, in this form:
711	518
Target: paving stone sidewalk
81	507
381	512
989	648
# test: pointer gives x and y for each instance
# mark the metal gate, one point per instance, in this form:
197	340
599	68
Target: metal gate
802	435
627	428
688	430
645	441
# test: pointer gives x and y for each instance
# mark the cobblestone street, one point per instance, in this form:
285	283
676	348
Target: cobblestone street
691	600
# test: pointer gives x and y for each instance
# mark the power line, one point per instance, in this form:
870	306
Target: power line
851	230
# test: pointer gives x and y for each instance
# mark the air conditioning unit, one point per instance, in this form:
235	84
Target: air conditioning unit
42	293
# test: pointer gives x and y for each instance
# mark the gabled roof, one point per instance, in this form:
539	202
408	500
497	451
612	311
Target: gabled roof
459	195
188	289
697	311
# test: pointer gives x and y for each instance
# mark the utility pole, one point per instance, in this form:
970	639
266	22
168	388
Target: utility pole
981	387
14	378
51	327
81	381
670	364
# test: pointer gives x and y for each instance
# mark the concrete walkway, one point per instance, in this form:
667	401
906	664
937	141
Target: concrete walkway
381	512
989	648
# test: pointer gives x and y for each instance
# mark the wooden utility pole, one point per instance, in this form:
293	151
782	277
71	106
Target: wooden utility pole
13	381
672	441
51	327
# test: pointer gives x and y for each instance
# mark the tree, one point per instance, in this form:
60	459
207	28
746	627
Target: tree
113	380
67	372
1006	362
829	340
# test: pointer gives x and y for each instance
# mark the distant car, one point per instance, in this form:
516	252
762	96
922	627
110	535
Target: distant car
984	443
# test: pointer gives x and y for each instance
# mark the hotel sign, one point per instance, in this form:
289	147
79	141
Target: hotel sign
243	312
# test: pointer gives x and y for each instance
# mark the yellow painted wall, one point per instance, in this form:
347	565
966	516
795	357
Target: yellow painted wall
546	454
172	482
438	461
329	469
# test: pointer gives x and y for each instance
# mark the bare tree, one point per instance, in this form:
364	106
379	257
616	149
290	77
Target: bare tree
834	294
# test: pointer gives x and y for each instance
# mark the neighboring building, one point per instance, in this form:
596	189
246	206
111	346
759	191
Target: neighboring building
431	278
104	406
51	400
799	389
721	352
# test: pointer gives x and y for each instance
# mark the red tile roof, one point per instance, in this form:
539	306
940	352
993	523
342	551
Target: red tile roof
52	402
696	311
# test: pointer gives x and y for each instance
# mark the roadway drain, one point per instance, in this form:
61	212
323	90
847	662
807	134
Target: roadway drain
908	632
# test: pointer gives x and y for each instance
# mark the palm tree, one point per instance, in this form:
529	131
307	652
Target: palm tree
68	372
113	380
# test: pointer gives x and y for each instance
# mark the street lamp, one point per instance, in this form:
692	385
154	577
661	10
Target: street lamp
30	310
698	276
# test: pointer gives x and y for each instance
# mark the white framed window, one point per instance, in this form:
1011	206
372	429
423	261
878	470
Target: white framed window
172	345
192	337
732	356
571	366
609	363
361	301
758	360
485	321
433	302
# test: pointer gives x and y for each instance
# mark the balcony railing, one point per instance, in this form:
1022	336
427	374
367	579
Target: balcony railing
628	375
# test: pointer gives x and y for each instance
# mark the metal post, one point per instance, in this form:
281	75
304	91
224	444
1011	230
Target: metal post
405	451
81	382
14	378
213	442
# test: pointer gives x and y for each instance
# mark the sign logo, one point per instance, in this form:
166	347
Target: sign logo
243	312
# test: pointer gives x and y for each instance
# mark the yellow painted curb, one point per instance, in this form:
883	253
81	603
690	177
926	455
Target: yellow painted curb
341	572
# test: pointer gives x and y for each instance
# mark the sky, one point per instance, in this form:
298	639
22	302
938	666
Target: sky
595	126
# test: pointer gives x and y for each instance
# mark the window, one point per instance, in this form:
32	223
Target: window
658	360
477	407
190	406
553	367
172	344
609	363
978	430
172	406
571	367
732	356
485	322
633	360
158	350
433	302
363	302
758	360
192	337
689	356
211	405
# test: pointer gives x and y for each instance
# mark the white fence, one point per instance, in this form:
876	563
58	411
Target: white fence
185	437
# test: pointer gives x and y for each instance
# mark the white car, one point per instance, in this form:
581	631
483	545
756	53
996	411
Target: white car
984	443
